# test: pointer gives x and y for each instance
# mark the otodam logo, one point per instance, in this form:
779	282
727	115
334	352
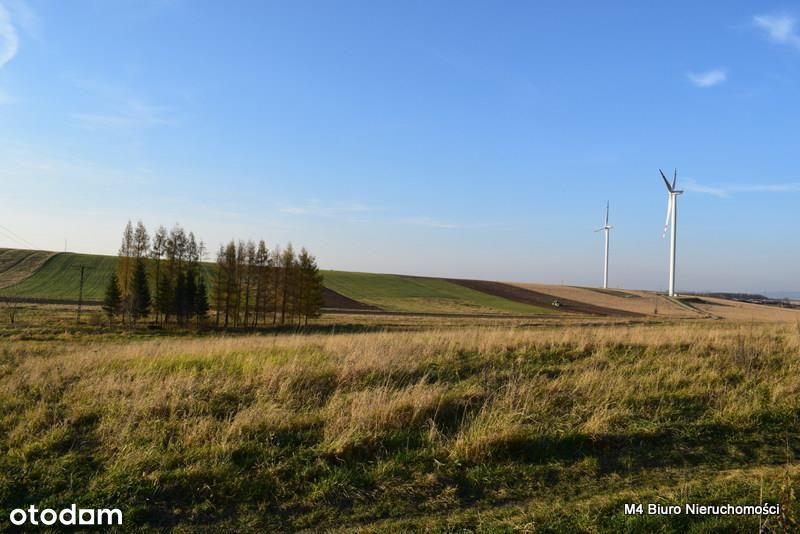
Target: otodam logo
71	516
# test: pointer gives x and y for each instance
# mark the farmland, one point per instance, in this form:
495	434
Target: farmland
429	405
16	265
55	276
418	294
58	278
476	426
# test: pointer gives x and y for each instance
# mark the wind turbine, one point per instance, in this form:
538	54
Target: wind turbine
606	229
672	223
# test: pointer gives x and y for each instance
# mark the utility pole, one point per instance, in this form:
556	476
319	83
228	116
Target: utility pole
83	269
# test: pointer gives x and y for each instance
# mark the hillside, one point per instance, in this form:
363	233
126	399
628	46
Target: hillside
57	276
16	264
417	294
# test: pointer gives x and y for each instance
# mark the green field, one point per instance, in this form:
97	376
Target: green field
59	277
414	294
18	264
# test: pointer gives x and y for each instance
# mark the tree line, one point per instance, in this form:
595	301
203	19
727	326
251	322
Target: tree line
164	279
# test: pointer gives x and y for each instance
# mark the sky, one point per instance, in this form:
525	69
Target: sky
463	139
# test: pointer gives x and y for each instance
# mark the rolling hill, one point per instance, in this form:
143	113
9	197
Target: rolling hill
57	277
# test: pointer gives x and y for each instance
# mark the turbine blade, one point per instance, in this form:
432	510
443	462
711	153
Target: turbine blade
674	179
669	187
607	203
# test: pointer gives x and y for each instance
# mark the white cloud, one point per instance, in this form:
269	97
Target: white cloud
726	190
779	28
9	42
122	109
25	18
429	222
316	208
709	78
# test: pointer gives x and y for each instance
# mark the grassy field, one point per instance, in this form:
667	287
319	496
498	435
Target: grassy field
16	264
415	294
482	428
58	278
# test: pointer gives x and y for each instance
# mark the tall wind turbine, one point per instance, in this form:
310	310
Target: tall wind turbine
607	230
672	223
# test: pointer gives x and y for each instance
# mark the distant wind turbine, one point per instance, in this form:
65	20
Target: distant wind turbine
672	223
607	230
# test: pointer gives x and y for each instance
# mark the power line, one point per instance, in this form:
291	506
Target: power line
16	237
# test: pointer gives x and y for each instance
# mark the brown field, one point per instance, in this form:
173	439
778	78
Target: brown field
527	295
639	302
745	311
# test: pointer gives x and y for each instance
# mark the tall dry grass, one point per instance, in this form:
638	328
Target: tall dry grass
146	408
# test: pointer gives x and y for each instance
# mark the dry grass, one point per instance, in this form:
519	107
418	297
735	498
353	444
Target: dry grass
296	431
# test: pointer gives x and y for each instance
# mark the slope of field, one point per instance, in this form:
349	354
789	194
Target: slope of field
464	430
745	311
59	277
17	264
638	302
417	294
536	298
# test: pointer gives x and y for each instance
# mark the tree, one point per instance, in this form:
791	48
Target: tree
249	270
140	292
165	298
189	297
180	298
261	275
141	241
112	301
201	300
310	286
125	267
287	266
156	253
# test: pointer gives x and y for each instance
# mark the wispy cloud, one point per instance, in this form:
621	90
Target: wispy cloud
9	41
123	109
25	17
318	208
429	222
779	28
725	190
708	78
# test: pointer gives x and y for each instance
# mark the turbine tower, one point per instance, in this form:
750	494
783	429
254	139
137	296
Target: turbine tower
606	228
672	223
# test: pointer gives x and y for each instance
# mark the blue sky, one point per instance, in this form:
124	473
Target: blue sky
472	139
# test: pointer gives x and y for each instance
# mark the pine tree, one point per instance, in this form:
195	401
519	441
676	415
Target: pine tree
180	298
140	291
125	268
201	306
157	252
189	296
165	297
310	286
112	301
287	267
